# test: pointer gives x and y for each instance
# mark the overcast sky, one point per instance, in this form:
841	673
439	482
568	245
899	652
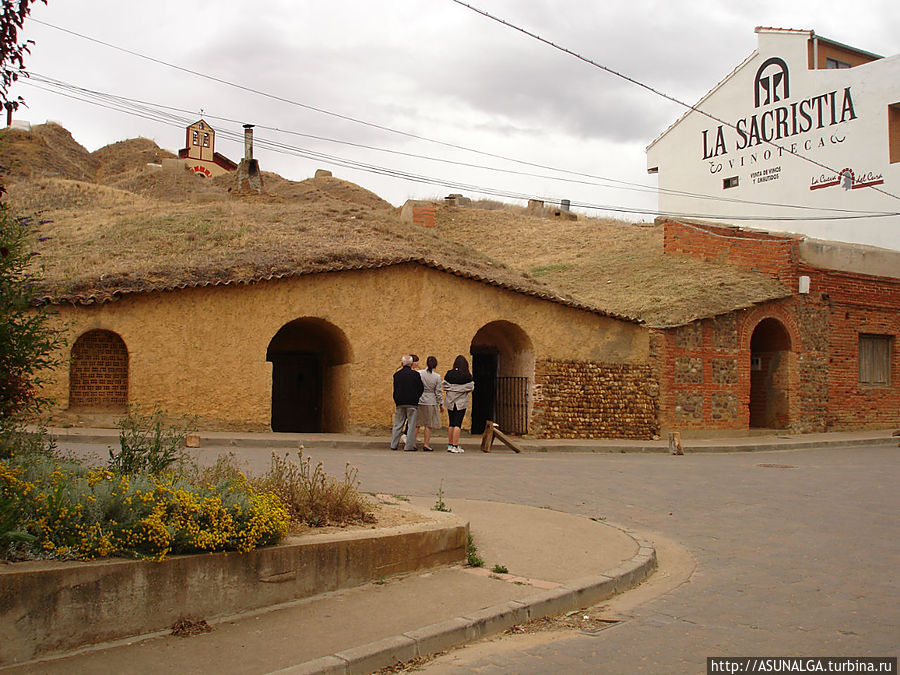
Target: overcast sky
428	68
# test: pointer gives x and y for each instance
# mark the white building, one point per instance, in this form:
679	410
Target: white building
803	136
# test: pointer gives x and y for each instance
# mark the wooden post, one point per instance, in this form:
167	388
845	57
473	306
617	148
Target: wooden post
675	445
487	438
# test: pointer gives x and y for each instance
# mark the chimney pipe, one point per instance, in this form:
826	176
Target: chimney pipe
248	141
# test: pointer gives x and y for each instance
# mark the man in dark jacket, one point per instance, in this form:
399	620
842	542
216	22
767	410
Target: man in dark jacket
408	388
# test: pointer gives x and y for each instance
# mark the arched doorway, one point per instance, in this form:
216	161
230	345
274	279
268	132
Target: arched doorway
98	372
503	368
770	350
310	377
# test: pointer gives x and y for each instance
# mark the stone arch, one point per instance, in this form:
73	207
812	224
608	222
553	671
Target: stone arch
98	372
503	368
310	377
772	367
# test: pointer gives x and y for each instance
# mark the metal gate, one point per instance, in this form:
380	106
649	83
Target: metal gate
511	405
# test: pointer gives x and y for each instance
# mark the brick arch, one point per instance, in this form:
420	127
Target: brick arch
757	316
98	371
771	374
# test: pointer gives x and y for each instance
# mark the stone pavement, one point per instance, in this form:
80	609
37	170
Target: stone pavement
795	553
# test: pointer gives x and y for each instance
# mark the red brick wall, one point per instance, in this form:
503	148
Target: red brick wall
756	251
823	388
858	303
98	376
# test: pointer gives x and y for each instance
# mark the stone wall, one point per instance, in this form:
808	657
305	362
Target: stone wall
583	399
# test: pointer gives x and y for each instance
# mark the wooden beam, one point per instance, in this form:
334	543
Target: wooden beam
506	440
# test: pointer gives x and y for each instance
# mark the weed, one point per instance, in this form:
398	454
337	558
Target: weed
439	505
541	270
147	444
500	569
401	498
472	557
311	496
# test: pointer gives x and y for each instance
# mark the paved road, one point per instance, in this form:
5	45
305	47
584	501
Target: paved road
796	551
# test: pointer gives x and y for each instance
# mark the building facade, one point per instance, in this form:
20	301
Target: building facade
823	358
316	353
199	153
803	136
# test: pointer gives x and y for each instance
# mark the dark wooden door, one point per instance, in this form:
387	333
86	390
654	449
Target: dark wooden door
484	371
296	392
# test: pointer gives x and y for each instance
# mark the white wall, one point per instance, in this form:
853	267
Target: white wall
769	177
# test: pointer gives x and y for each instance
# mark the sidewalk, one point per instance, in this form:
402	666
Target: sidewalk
746	443
557	562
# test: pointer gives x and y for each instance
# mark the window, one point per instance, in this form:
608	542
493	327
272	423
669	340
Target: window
729	182
831	63
205	140
875	359
195	138
894	132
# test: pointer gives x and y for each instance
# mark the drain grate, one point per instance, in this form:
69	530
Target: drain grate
777	466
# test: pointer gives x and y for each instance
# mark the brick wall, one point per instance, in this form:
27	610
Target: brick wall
857	304
580	399
756	251
98	376
821	380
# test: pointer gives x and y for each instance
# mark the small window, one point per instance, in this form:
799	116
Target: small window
195	138
729	182
894	132
755	363
832	64
875	359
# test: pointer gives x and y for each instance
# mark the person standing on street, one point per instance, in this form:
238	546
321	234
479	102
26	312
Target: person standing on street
408	389
431	404
457	385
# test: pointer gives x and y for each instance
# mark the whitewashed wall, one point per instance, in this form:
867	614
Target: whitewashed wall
770	178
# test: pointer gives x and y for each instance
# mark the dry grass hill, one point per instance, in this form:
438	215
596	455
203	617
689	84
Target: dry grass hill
119	225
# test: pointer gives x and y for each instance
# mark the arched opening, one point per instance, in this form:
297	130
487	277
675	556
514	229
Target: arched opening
770	348
98	372
503	368
310	377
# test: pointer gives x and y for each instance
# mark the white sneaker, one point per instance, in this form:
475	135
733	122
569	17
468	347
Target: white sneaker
455	449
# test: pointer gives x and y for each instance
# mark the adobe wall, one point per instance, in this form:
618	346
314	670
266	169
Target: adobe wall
202	351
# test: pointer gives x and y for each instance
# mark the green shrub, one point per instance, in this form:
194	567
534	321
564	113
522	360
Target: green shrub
147	444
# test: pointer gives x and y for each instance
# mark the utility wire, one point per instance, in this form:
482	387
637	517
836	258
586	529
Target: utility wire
283	148
616	73
424	138
158	112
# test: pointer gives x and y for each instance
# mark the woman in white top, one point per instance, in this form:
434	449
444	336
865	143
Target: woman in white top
430	404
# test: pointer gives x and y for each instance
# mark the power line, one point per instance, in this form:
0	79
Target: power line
283	99
158	112
283	148
638	83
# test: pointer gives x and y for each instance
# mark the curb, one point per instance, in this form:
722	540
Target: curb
377	443
482	623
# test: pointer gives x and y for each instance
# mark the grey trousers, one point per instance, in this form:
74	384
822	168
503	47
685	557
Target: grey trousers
404	413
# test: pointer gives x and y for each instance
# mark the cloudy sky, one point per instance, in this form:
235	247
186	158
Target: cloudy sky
441	97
